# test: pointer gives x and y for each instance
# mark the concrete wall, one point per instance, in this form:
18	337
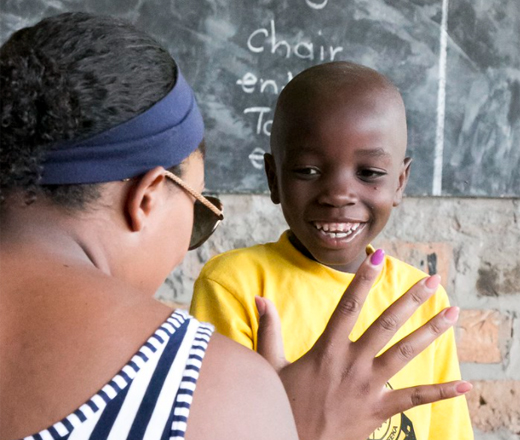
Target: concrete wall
473	243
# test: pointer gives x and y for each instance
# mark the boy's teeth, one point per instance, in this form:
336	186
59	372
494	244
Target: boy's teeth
339	234
337	230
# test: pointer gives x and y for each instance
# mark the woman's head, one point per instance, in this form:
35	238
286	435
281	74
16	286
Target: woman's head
69	77
94	113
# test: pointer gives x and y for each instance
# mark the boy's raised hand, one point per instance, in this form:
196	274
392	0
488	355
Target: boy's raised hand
337	389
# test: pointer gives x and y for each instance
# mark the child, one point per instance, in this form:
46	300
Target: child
337	167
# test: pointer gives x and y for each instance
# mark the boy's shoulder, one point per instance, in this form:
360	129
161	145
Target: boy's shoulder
399	267
249	258
404	275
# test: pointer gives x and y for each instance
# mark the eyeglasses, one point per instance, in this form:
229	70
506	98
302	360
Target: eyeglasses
207	213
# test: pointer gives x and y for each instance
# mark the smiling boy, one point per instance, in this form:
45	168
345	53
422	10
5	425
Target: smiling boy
337	168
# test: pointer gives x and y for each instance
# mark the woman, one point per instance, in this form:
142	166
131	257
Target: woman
102	162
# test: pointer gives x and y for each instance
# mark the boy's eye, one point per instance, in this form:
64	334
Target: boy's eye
371	174
306	171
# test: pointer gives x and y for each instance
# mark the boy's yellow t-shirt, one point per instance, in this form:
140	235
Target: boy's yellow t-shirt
306	293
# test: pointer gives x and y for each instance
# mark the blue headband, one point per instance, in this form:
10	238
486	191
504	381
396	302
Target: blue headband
164	135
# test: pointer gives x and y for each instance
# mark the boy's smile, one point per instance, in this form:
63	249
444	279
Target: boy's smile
338	164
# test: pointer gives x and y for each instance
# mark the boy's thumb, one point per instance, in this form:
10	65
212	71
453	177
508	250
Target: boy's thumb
270	343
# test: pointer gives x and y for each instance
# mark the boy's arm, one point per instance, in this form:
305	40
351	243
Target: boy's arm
214	303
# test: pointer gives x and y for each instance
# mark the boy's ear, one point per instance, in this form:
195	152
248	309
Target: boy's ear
143	197
272	181
403	180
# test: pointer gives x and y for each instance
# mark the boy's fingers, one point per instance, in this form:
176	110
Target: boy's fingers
270	342
347	311
402	400
392	319
402	352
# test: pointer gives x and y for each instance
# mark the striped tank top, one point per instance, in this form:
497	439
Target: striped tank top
150	397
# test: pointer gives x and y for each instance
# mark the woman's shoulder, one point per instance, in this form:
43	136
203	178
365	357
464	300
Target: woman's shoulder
238	395
64	338
152	391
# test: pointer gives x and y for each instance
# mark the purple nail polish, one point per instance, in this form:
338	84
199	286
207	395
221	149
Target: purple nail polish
377	257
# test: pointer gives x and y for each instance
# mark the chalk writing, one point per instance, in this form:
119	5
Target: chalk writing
269	41
257	158
261	127
316	5
250	83
263	38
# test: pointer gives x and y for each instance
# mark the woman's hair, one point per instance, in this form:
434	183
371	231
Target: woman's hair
69	77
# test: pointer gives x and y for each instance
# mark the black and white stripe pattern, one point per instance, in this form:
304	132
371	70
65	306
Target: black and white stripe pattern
191	373
150	398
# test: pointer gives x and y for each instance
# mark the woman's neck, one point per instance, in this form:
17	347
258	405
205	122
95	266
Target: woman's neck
50	230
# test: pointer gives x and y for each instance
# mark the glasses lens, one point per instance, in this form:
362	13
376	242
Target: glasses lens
204	222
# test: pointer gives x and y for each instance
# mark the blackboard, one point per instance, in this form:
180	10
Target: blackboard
456	62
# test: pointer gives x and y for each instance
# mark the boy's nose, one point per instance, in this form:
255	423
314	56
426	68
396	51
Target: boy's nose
338	196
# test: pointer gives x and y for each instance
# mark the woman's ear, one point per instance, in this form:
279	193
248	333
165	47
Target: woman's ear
272	181
143	197
403	180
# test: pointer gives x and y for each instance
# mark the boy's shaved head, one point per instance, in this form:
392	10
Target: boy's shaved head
339	83
338	164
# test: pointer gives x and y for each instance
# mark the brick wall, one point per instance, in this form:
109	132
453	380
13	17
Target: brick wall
484	337
474	244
